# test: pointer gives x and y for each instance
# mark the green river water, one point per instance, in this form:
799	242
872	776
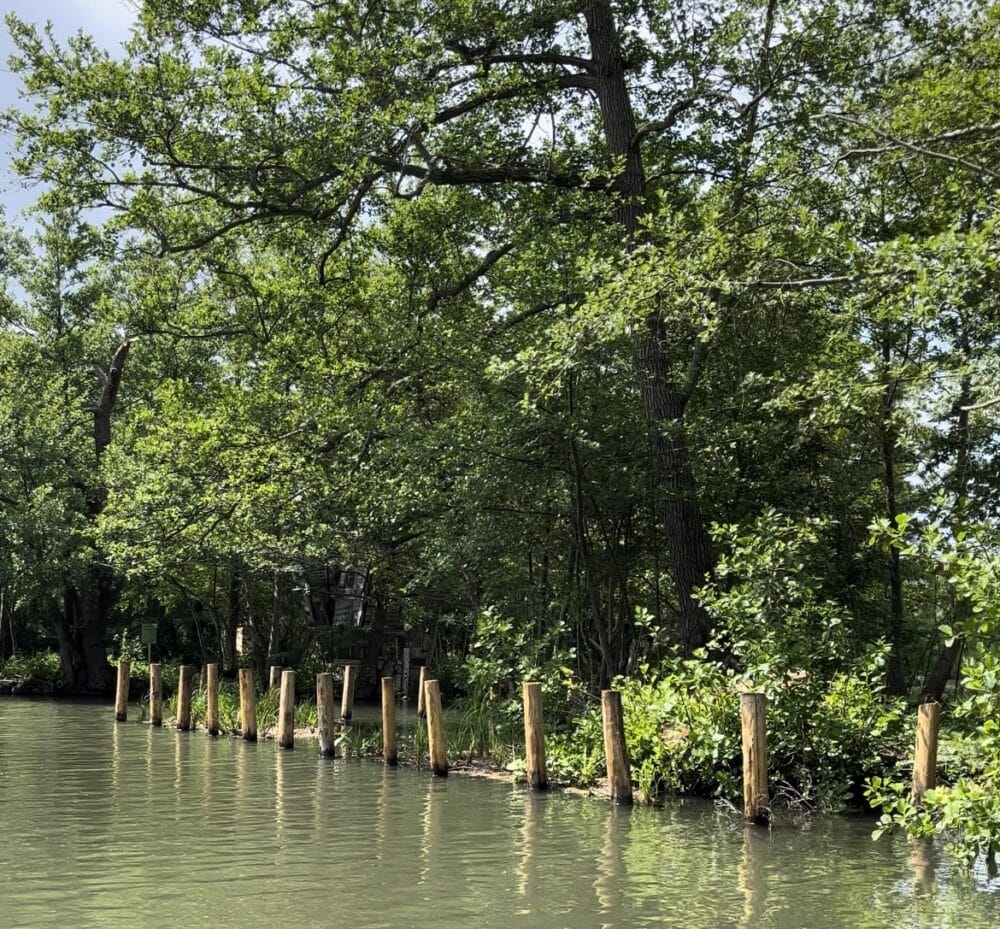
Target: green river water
115	825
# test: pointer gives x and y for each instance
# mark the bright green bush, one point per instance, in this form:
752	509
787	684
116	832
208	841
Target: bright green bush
44	667
965	807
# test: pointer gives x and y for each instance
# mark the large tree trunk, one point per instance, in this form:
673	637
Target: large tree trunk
82	627
664	398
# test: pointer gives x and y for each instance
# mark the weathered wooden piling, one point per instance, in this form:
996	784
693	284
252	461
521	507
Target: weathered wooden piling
756	801
389	754
185	681
534	737
286	710
121	692
347	697
212	699
435	728
274	682
155	695
421	705
324	715
248	705
925	752
615	753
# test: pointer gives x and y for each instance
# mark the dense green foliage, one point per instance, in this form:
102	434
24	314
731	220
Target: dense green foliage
623	339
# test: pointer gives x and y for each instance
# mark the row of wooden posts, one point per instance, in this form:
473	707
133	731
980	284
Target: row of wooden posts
753	707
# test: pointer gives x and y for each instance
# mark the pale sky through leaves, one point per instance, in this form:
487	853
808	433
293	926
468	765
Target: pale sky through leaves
108	21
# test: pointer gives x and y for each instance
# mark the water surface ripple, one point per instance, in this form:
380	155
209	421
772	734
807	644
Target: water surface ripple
117	825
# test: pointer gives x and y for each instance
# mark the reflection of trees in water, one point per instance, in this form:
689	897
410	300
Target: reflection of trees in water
392	843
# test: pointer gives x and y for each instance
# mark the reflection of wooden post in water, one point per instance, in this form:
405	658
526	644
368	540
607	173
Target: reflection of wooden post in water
925	753
431	828
534	737
242	770
347	697
616	757
752	876
286	710
324	715
274	681
155	695
116	757
922	864
184	682
753	710
382	826
248	705
150	748
212	699
421	706
528	832
182	749
280	813
388	722
121	692
610	864
435	728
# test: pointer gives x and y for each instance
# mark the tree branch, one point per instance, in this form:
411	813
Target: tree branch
467	280
918	147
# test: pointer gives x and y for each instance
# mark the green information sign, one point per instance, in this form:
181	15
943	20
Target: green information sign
148	634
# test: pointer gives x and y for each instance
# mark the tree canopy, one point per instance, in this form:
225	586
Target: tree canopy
627	328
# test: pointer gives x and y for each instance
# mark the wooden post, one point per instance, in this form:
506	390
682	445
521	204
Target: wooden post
347	697
389	754
421	705
212	699
184	682
615	754
756	802
435	728
275	679
248	705
286	710
121	692
534	737
925	753
324	715
155	695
